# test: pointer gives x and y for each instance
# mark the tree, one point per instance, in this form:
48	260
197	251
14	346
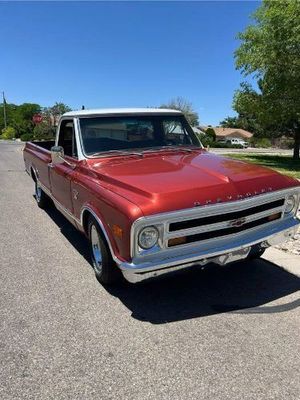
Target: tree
53	113
210	132
270	53
59	109
43	131
186	107
8	133
230	122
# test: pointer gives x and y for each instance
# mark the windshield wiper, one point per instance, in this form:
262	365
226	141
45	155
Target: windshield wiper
169	148
117	153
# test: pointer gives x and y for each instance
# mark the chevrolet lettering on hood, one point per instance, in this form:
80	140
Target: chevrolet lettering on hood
151	200
236	197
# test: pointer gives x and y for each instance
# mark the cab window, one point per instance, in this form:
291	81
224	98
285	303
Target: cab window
66	138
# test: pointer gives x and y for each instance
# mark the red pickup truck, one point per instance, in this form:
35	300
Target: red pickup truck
151	199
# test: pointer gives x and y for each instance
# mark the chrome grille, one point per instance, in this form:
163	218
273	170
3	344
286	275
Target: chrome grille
208	227
176	226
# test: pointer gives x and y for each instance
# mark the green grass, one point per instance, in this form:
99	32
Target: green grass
284	164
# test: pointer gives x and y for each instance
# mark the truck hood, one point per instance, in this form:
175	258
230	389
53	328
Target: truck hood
169	181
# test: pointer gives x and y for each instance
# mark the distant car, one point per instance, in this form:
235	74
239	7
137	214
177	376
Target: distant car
236	141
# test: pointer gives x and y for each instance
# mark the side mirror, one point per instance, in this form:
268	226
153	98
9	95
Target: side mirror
57	155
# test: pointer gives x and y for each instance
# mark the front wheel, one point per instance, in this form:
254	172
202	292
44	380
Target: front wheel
105	268
255	252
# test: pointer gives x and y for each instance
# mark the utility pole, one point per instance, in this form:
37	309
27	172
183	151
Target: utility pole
4	111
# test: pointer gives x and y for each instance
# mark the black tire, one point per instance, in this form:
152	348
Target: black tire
41	198
256	252
106	270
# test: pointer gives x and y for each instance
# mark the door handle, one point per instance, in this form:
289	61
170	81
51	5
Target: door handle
50	165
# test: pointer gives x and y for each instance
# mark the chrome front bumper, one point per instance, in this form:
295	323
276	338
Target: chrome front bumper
226	251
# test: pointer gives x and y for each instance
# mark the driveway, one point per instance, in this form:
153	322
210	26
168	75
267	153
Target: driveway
222	333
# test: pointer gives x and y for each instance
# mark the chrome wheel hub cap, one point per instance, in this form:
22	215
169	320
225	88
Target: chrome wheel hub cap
96	248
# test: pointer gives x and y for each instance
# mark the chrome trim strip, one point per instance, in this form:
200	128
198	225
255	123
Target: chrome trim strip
86	208
77	136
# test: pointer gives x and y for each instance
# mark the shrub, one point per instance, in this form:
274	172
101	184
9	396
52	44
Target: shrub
211	133
263	142
226	145
206	140
8	133
43	131
26	137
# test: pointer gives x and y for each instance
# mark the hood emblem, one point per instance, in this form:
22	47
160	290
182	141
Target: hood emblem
237	222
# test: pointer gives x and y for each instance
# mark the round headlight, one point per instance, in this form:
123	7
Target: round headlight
148	237
290	204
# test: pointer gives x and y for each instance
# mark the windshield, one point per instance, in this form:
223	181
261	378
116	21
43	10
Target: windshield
102	134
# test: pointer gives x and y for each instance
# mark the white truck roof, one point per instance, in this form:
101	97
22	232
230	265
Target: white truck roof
120	111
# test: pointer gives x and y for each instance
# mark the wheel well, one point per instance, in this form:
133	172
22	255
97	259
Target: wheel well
85	221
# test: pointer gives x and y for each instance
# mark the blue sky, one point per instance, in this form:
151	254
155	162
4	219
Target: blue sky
122	54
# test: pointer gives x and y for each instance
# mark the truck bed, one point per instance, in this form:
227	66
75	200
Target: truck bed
45	144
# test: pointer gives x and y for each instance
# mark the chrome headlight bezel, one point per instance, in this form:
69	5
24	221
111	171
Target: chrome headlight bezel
150	230
291	204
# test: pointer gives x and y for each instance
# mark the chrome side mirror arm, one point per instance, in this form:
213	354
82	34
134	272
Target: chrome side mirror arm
57	156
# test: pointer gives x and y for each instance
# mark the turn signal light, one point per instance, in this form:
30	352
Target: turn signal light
274	216
177	241
117	231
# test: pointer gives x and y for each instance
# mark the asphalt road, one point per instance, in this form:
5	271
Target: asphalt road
224	333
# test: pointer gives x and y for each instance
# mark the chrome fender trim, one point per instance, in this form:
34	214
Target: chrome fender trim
101	225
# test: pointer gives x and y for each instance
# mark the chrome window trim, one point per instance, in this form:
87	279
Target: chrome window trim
159	113
196	212
80	155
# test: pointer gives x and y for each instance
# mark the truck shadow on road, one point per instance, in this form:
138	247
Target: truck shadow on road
243	287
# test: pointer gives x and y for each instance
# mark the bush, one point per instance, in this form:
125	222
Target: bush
226	145
285	143
262	142
8	133
26	137
43	131
206	140
211	134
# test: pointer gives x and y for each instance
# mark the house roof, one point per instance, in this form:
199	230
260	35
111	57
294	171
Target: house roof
120	111
198	131
223	132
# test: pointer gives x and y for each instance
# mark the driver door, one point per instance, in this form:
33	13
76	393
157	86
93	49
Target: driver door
61	174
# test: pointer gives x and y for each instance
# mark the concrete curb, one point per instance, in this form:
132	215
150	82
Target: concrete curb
290	262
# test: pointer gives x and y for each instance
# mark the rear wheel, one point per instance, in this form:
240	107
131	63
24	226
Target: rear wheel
105	268
41	198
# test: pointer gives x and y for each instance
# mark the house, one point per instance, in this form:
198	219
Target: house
232	133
